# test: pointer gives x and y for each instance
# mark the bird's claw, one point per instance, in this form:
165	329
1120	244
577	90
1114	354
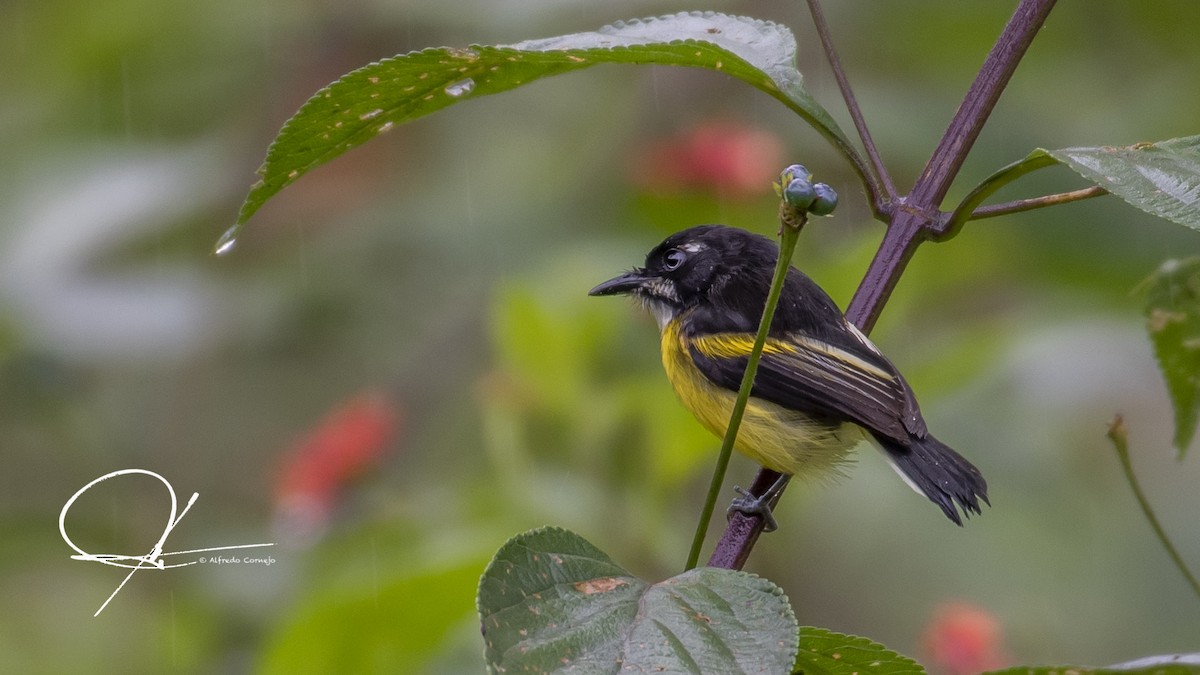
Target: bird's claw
751	505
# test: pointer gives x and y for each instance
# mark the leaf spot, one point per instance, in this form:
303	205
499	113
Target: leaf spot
468	54
594	586
371	115
1160	318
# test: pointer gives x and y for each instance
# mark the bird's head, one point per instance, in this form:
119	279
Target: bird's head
695	266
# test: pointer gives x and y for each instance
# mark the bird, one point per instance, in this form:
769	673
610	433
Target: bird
822	386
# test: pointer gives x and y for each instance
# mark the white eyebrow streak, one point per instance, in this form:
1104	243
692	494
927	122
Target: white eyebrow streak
692	247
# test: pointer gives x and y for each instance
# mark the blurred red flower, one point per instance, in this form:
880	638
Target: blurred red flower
735	160
962	639
318	466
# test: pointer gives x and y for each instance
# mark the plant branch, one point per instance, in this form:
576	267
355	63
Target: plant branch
950	223
981	98
914	219
1117	434
918	216
1019	205
790	223
881	191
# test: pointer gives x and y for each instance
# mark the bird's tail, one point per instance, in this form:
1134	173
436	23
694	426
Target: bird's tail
939	473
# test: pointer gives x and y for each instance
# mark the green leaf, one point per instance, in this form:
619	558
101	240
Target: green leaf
1172	664
371	100
1161	178
1173	321
824	652
550	601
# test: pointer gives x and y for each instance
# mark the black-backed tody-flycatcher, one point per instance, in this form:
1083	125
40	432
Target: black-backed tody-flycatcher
821	386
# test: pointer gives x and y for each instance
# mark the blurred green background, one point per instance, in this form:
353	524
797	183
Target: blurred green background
429	292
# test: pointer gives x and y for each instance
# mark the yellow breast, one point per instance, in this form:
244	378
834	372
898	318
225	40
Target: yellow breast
783	440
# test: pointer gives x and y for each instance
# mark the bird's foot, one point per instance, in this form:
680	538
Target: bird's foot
760	506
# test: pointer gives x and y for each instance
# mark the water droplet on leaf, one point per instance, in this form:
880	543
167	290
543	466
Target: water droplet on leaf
228	241
461	87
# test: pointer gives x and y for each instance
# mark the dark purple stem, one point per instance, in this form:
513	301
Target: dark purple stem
917	217
883	190
914	219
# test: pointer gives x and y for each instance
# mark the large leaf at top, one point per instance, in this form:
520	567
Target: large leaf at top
824	652
371	100
552	602
1173	322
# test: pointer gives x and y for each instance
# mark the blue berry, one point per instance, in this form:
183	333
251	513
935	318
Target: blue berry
795	171
799	194
825	200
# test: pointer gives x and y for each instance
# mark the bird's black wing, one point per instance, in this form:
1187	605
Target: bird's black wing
844	381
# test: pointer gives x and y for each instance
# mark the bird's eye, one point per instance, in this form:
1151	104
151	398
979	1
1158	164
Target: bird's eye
673	258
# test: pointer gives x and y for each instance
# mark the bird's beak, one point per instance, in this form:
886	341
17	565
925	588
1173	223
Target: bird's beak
623	285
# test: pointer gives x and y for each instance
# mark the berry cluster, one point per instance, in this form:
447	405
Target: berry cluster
797	189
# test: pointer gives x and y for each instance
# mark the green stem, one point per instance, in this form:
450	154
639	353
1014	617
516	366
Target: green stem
789	232
951	224
1116	432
